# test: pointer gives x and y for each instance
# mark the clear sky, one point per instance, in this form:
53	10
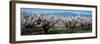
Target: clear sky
51	11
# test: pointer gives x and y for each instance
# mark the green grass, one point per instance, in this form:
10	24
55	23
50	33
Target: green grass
59	30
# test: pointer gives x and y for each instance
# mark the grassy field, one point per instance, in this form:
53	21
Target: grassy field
56	30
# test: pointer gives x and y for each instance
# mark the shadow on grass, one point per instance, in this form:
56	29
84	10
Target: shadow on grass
57	30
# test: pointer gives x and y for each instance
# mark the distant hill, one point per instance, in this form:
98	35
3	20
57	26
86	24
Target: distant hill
69	14
60	14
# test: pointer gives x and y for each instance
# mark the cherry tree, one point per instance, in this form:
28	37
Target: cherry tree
39	21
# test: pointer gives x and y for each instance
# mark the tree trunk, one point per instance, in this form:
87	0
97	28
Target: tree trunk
46	30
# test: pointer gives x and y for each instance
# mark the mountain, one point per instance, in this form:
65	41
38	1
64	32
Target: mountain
68	14
60	14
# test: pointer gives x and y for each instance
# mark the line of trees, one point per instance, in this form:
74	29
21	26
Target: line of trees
36	20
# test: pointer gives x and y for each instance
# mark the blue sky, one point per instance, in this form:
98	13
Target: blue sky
51	11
